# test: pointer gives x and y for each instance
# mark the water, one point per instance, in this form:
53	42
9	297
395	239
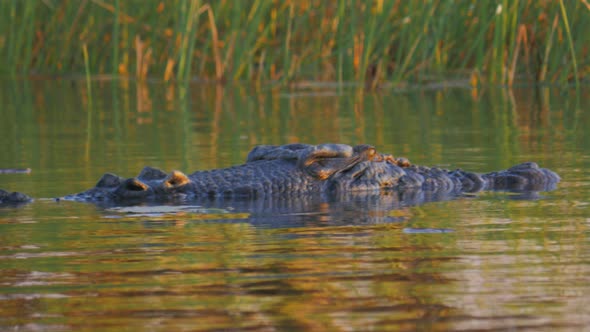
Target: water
492	261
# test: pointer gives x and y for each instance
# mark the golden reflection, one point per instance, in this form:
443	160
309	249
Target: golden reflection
508	262
535	119
170	97
144	103
143	56
378	120
359	115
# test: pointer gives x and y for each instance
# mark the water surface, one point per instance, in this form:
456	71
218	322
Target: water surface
490	261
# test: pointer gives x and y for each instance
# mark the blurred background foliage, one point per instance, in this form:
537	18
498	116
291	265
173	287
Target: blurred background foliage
375	42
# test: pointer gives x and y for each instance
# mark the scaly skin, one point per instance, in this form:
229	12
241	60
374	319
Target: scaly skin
13	198
300	169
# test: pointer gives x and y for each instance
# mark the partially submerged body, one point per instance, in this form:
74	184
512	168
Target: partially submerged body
299	169
294	170
13	198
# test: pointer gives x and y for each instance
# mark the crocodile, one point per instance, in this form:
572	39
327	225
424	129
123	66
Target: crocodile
13	198
300	169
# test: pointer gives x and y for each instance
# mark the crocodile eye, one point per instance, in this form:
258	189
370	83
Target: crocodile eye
176	179
135	185
371	152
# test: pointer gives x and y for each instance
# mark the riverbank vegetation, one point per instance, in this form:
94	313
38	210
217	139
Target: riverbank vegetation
376	42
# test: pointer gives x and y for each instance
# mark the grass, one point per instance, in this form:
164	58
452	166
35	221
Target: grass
496	42
88	75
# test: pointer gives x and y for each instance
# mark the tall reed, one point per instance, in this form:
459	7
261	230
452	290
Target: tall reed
283	41
88	75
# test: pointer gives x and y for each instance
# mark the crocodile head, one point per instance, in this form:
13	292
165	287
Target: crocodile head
149	184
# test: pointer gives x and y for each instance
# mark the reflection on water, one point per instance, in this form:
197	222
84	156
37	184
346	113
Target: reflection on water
491	261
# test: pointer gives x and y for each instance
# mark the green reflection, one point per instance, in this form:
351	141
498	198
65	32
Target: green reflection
507	263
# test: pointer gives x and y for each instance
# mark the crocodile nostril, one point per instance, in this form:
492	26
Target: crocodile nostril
135	185
108	180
